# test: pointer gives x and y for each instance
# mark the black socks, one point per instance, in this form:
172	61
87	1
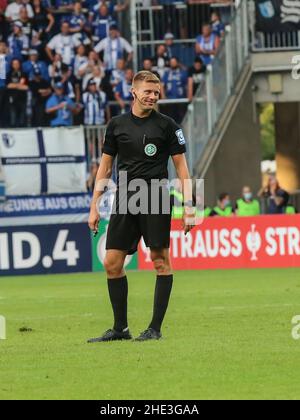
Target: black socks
161	300
118	293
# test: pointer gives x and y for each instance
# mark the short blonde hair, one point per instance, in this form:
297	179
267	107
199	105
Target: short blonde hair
145	76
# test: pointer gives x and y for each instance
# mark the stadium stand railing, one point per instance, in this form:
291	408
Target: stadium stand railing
149	24
217	87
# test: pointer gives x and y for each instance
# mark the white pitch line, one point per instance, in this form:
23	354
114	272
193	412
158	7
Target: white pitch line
32	318
233	307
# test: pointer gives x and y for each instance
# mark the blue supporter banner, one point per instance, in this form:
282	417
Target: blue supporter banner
23	206
45	249
45	209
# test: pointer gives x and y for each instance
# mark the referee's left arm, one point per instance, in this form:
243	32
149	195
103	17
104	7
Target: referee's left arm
183	174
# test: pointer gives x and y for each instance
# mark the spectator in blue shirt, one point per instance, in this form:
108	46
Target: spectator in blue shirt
175	81
123	91
113	6
34	63
172	50
96	109
79	24
18	42
101	22
60	107
207	44
118	75
175	86
218	27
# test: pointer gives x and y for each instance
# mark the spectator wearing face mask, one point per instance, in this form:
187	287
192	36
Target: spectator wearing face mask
247	205
224	207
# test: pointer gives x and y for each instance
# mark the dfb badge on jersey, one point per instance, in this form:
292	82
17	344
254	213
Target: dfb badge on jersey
150	150
180	136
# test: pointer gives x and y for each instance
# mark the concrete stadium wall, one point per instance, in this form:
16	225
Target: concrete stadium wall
237	160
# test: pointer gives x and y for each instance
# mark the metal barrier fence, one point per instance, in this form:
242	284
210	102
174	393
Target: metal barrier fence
217	87
94	138
276	41
149	24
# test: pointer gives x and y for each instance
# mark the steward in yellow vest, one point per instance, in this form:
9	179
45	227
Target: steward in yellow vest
224	208
247	206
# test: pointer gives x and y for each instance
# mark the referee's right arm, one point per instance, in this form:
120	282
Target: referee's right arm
102	179
110	150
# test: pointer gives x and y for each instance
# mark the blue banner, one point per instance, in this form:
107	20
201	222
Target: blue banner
64	248
45	205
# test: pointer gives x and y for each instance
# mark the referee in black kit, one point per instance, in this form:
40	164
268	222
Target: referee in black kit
144	140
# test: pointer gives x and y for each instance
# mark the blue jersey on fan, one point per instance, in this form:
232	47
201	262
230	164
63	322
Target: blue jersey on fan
63	116
29	67
124	90
95	7
175	81
101	26
76	20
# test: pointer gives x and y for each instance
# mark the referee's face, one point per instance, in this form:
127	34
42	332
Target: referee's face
146	94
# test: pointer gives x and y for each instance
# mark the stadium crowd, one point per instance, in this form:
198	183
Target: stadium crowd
65	62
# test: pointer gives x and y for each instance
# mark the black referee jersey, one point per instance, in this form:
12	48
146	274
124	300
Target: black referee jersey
144	145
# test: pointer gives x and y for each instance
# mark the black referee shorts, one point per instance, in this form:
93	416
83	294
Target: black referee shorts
125	230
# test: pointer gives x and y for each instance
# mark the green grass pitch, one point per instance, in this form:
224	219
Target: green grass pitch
227	335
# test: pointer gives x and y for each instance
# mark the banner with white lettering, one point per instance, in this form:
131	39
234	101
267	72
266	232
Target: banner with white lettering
234	242
278	15
43	161
45	209
45	249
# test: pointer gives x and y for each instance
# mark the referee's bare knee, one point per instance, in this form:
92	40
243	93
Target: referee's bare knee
161	261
